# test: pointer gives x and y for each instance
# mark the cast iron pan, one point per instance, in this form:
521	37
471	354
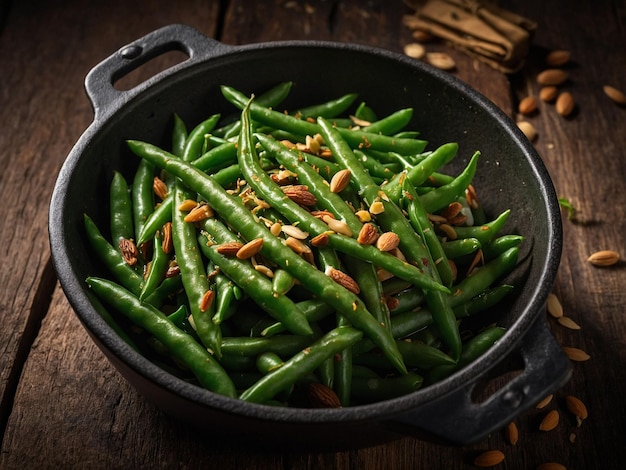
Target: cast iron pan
511	175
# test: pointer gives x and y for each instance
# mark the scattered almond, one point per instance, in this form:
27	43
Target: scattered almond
320	240
187	205
321	396
297	246
340	181
129	251
550	421
368	234
576	354
387	241
576	407
206	300
554	307
337	226
267	272
167	244
295	232
199	213
528	130
415	50
565	103
604	258
545	402
489	458
343	279
512	433
567	322
300	194
441	60
548	93
229	248
250	249
616	95
377	207
558	58
527	105
276	228
552	77
159	187
551	466
363	216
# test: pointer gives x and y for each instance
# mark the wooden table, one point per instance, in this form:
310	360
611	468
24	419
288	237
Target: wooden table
63	406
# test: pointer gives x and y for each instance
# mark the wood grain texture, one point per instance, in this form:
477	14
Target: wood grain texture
71	409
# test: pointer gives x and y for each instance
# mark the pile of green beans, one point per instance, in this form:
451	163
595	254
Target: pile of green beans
248	258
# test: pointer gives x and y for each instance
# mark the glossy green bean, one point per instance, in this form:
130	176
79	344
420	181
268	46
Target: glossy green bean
374	389
121	212
142	196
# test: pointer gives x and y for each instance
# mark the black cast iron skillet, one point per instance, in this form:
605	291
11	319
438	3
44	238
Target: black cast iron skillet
510	175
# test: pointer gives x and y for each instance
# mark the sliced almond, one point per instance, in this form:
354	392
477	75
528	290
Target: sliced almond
415	50
206	300
616	95
512	433
527	105
167	244
549	421
187	205
261	268
558	58
576	354
377	207
250	249
229	248
297	246
576	407
545	402
604	258
565	104
199	213
489	458
368	234
340	181
337	226
343	279
567	322
363	216
129	251
159	187
295	232
441	60
554	307
320	240
552	77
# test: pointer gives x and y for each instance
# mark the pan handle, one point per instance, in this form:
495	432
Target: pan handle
99	83
456	419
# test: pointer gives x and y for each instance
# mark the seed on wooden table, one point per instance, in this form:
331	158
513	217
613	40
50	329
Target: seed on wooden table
551	466
512	433
576	407
528	130
548	93
565	103
527	105
552	77
550	421
576	354
415	50
604	258
441	60
250	249
567	322
616	95
545	402
554	307
489	458
558	58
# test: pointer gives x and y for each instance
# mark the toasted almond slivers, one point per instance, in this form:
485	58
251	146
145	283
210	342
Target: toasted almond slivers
512	433
567	322
261	268
549	421
206	300
229	248
545	402
297	246
343	279
377	207
614	94
300	194
167	244
199	214
295	232
368	234
576	354
250	249
554	307
449	231
489	458
337	226
340	180
187	205
576	407
320	240
159	187
604	258
129	251
363	216
387	241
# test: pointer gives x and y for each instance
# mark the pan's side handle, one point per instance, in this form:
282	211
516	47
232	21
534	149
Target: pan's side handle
99	83
454	418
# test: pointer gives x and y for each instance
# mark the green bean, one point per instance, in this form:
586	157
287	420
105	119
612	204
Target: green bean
195	141
282	345
499	245
217	157
156	268
179	136
481	302
455	249
442	196
472	350
486	232
407	300
255	284
121	211
224	298
314	310
301	364
168	287
328	109
111	258
282	282
374	389
365	113
416	355
279	120
391	124
181	345
142	196
193	273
